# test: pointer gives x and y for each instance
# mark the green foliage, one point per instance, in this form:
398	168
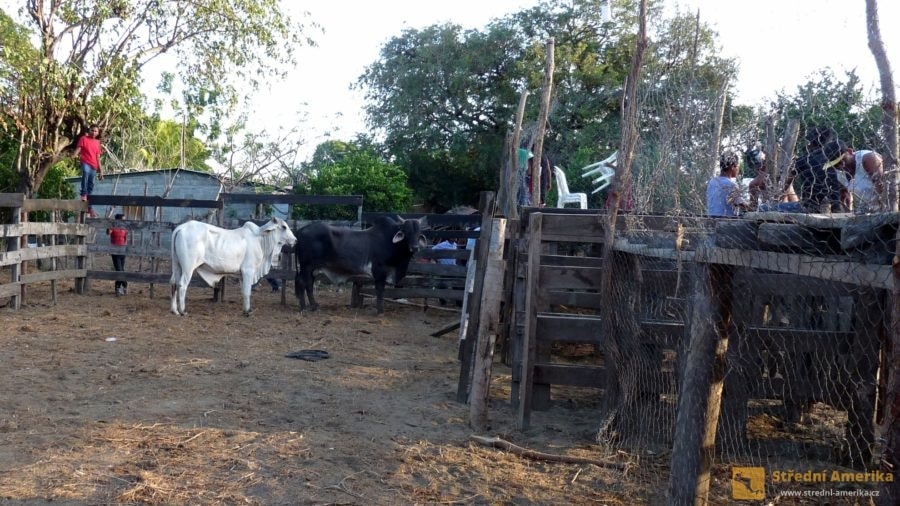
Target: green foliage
828	101
383	185
157	144
87	65
445	97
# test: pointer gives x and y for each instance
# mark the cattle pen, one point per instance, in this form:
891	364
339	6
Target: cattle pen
760	342
697	345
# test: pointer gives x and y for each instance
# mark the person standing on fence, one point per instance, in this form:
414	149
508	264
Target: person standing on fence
723	195
88	153
118	236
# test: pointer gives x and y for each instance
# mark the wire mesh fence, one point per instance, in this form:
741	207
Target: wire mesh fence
749	325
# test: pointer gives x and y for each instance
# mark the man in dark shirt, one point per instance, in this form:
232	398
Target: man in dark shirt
819	186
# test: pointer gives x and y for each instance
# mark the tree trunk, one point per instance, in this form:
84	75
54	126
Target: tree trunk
620	387
547	93
890	458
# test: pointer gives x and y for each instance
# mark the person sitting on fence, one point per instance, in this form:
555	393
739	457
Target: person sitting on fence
723	195
118	236
820	187
865	189
763	196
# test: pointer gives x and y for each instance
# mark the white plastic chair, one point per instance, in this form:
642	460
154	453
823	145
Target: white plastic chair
562	188
607	170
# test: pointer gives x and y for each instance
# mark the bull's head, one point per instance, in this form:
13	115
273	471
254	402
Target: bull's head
411	232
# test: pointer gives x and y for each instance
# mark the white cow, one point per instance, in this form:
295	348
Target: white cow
214	252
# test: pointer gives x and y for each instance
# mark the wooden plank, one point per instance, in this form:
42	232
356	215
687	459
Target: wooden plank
131	250
571	375
22	255
488	323
835	220
11	289
829	268
736	234
577	278
438	270
767	283
44	228
797	237
449	328
573	299
878	276
313	200
473	307
39	276
436	254
12	199
571	261
416	293
467	221
147	201
529	336
31	205
554	327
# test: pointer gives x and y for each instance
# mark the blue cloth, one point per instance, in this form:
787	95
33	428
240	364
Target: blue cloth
718	191
87	179
445	244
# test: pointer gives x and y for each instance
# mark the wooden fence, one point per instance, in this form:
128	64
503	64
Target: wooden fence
824	348
147	251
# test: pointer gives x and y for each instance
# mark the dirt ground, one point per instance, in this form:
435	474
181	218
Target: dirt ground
114	400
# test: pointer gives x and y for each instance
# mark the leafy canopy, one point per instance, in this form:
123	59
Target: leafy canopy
82	61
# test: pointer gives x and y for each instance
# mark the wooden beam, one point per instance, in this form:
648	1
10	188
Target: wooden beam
488	327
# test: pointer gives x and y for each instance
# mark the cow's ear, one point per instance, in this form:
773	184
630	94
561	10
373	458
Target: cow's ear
398	237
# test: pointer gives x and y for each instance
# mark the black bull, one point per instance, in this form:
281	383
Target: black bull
381	252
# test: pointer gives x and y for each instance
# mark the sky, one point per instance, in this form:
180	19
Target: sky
779	44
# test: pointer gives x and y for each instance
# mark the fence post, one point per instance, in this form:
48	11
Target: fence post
467	346
488	322
701	389
14	272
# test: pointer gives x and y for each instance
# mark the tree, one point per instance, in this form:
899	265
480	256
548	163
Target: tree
155	143
86	65
444	97
382	184
260	156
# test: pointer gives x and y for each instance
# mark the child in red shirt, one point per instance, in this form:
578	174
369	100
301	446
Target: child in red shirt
118	236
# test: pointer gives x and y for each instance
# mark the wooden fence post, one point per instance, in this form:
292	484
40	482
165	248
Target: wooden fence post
488	327
467	346
701	389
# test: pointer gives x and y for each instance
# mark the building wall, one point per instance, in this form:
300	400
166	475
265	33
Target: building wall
189	184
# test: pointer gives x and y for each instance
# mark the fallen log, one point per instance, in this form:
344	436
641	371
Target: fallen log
496	442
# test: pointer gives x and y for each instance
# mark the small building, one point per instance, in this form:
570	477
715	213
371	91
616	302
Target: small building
184	184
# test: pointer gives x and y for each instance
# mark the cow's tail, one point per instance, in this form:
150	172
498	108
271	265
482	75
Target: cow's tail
176	265
298	278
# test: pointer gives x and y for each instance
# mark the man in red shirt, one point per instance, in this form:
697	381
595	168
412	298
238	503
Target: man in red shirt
118	236
88	153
